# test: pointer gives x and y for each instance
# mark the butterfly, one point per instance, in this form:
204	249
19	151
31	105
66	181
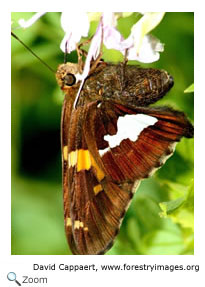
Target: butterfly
111	140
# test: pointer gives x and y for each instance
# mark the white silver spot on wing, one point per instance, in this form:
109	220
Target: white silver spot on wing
130	127
103	151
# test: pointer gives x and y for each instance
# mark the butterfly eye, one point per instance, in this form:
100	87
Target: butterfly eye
69	80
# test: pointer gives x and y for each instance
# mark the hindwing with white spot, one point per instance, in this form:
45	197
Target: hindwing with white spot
107	150
144	139
129	127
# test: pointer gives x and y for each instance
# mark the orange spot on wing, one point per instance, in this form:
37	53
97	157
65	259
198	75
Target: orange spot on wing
85	161
97	189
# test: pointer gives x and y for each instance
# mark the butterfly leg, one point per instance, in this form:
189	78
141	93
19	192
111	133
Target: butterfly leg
80	60
122	71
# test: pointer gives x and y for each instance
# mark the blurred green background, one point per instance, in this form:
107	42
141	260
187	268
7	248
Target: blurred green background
160	218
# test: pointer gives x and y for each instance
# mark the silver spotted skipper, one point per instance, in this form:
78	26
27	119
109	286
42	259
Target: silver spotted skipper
111	139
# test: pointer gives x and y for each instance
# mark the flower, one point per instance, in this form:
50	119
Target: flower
140	45
148	52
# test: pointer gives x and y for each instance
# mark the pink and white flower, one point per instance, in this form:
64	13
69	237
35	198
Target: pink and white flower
141	46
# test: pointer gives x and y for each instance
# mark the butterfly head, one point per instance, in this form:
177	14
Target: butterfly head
68	76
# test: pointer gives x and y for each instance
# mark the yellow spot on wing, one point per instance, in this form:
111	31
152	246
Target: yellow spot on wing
97	189
69	222
72	158
78	224
65	152
84	161
99	173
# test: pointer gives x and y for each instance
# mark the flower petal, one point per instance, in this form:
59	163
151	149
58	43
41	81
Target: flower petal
149	51
150	20
147	23
111	36
27	23
94	16
68	43
73	31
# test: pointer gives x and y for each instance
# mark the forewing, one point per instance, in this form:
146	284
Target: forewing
65	125
95	205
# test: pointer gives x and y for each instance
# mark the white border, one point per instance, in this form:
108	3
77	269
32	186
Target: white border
22	265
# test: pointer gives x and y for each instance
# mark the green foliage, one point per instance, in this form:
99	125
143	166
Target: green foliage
190	89
181	211
160	218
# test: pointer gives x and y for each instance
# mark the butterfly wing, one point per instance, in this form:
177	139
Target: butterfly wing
136	151
65	124
92	217
100	178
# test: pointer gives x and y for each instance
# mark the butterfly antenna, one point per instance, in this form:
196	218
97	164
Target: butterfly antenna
34	54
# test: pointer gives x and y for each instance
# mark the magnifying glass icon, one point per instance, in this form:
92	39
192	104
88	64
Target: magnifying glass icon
11	276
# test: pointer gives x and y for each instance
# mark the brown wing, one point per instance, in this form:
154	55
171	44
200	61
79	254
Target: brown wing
134	160
65	124
131	160
93	205
98	189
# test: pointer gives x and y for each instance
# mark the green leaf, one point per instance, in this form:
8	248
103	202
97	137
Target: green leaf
190	89
170	206
180	210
